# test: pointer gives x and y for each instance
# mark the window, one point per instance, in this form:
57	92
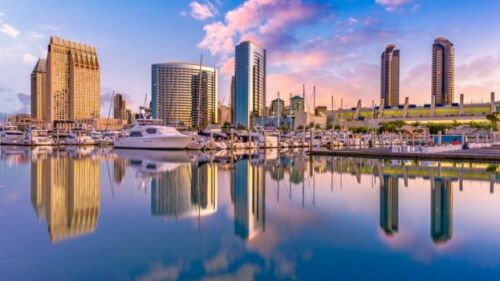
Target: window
135	134
151	131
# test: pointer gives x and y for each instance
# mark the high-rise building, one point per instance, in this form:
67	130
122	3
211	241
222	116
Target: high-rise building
320	110
296	104
389	77
250	83
73	81
179	98
119	107
443	71
277	106
224	114
233	99
38	90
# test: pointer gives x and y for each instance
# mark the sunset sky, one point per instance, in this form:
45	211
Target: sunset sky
335	45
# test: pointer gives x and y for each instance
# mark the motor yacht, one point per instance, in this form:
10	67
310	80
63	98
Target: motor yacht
11	136
150	134
79	137
37	137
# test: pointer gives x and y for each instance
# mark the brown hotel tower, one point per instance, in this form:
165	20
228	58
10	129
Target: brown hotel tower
73	81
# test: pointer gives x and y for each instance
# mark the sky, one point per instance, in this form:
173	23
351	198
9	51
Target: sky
334	45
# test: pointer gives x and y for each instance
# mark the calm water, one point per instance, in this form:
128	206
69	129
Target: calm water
90	214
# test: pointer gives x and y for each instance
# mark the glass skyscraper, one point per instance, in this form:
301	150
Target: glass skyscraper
250	84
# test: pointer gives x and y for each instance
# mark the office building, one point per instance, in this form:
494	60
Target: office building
38	90
277	106
119	107
443	71
73	81
224	114
250	83
389	77
320	110
180	97
296	105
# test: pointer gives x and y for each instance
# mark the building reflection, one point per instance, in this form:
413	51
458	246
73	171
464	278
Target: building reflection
248	191
66	192
441	210
389	209
188	190
119	166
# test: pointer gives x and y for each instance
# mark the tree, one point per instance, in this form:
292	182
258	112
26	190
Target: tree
300	127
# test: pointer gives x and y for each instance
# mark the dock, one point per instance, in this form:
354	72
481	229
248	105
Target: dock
486	154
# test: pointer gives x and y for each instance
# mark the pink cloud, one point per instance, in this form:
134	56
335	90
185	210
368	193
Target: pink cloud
201	11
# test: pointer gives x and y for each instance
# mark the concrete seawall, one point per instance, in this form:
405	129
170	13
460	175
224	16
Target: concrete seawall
491	154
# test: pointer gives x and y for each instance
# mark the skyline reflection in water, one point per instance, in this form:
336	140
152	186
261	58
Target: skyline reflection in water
268	215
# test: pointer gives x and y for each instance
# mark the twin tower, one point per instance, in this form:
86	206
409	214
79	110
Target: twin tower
443	73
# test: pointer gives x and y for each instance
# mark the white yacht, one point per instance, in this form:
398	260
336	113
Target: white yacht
11	136
79	137
37	137
149	134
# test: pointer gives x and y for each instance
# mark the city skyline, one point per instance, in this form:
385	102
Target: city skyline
341	61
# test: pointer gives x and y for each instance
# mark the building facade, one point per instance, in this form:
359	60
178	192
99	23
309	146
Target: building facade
73	81
119	107
277	107
443	71
224	114
250	83
180	97
296	105
389	76
38	90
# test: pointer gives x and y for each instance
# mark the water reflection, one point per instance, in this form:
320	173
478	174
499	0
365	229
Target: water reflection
441	210
282	213
389	211
248	191
65	191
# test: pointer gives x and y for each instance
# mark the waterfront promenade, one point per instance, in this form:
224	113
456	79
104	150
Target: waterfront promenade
491	154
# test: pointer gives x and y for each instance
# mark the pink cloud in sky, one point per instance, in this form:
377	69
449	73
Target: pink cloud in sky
393	5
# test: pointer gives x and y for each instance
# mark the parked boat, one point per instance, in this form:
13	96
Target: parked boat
11	136
149	134
37	137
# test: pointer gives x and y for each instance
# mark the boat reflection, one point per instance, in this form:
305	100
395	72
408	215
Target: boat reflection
181	185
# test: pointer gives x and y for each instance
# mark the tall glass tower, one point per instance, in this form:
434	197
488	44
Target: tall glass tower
250	84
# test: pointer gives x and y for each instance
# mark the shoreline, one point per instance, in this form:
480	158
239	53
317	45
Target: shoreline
476	155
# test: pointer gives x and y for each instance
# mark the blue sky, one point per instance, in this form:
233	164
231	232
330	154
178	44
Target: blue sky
334	45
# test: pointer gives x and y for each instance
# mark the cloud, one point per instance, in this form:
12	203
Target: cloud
161	272
9	30
268	22
29	58
393	5
202	11
25	102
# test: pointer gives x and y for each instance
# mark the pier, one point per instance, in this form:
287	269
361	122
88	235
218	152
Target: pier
491	154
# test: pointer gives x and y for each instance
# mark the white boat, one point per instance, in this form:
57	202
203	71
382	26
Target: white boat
149	134
79	138
11	136
38	137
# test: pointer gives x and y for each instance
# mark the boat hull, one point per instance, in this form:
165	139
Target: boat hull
170	142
